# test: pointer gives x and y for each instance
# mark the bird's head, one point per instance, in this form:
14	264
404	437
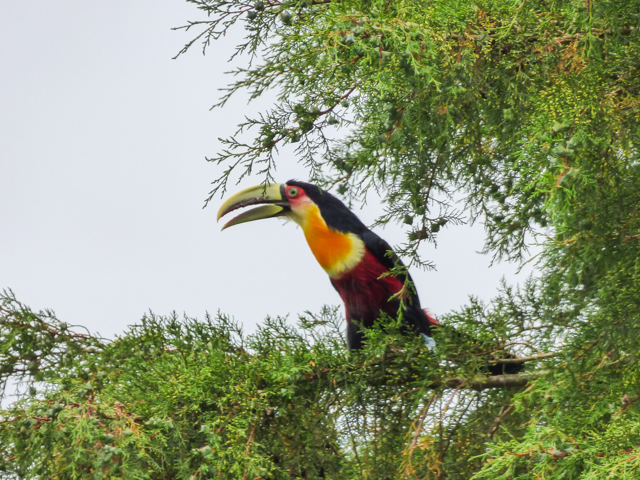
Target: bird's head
298	201
331	229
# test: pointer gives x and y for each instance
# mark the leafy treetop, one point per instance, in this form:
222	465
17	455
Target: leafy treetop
525	111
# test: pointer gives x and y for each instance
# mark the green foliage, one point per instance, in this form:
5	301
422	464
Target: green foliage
186	399
528	113
179	398
521	114
518	107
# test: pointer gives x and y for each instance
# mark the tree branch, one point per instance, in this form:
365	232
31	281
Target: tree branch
519	360
496	423
484	383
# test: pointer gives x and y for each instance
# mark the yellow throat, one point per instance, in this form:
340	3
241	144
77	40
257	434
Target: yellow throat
336	252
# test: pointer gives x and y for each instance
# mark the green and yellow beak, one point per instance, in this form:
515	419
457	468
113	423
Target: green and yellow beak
272	195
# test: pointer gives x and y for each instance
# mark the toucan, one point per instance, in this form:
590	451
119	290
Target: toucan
358	261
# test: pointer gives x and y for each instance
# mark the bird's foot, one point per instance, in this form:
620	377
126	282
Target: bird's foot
431	343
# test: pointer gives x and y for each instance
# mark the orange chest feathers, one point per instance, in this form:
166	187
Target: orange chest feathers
336	252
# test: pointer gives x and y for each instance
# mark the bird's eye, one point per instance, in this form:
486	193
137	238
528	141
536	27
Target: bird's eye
293	192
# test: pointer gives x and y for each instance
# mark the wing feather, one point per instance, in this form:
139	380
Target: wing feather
383	252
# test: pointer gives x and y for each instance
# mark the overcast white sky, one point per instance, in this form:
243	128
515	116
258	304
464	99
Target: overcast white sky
102	179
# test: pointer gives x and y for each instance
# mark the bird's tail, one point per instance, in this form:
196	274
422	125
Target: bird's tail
432	321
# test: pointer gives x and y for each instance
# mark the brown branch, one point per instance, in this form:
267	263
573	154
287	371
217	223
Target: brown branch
484	383
456	427
451	398
577	357
566	39
478	384
496	423
246	451
414	442
519	360
627	402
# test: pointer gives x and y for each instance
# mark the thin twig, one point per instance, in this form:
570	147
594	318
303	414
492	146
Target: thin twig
496	423
456	426
414	442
